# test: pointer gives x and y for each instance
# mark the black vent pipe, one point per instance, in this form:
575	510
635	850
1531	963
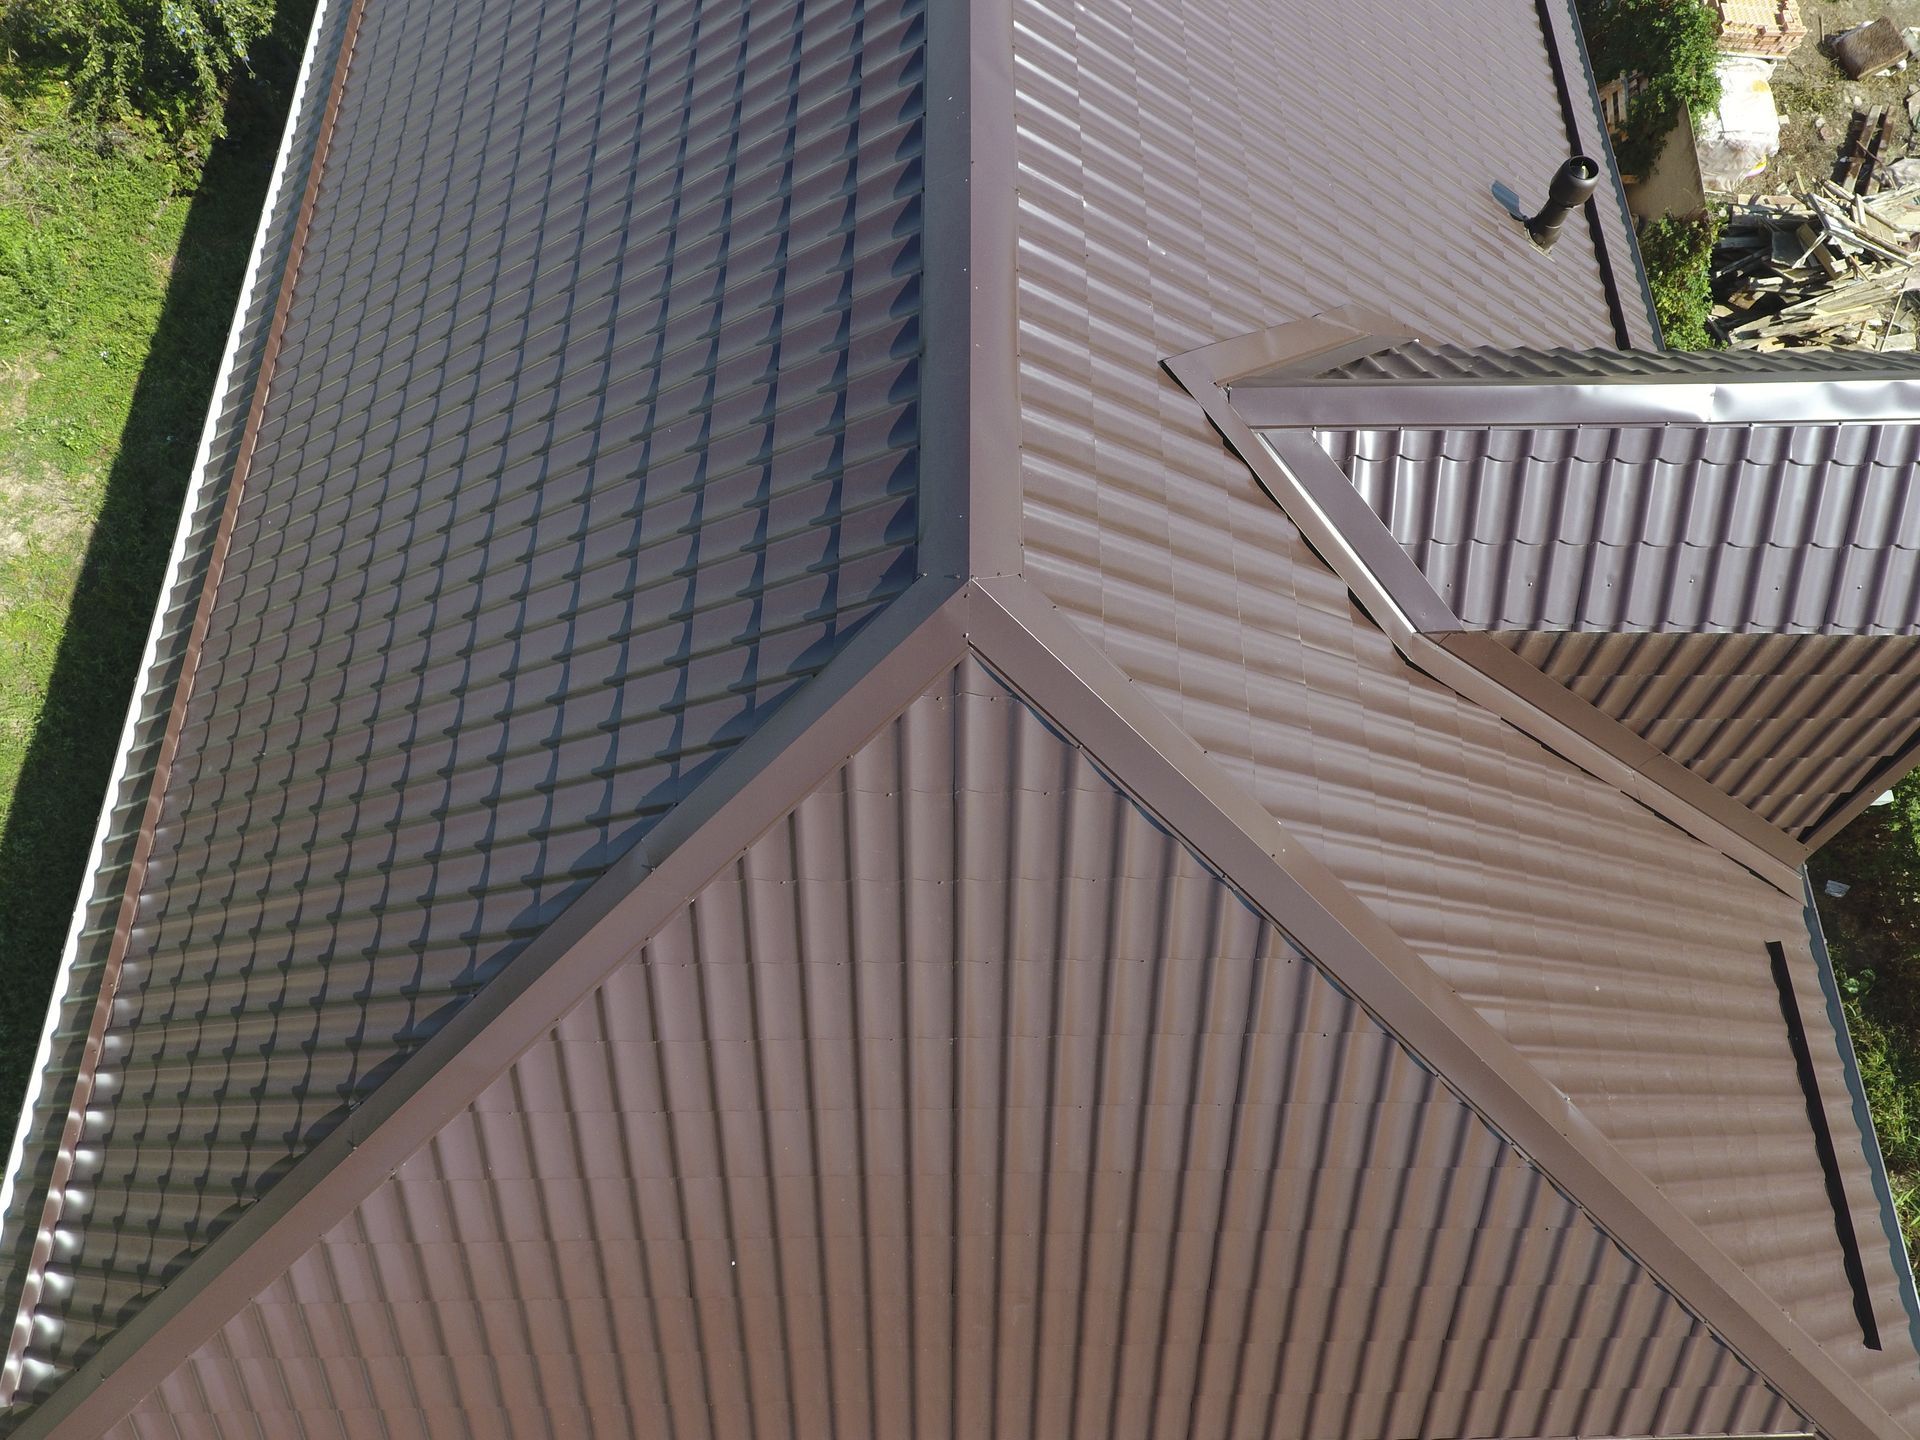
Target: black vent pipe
1573	185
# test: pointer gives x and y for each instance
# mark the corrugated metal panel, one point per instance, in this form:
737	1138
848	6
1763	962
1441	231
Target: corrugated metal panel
1421	360
591	435
1801	528
1624	959
966	1102
1789	725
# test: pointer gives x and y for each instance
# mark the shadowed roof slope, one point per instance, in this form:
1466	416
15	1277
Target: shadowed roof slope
590	433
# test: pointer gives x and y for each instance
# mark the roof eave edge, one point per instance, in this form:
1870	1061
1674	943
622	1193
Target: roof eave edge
881	670
177	562
1869	1139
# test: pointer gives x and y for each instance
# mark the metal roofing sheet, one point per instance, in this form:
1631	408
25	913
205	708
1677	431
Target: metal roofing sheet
966	1101
592	434
1174	190
1802	528
45	1114
1789	725
1417	360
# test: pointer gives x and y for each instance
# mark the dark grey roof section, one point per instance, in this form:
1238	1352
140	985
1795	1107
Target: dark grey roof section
1791	726
1809	529
1427	360
592	434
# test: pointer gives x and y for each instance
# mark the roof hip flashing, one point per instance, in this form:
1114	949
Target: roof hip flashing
1045	659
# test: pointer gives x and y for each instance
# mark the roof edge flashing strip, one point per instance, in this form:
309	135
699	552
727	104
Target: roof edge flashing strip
1560	28
1876	1162
1315	494
1348	530
1823	1147
177	561
1295	348
1272	401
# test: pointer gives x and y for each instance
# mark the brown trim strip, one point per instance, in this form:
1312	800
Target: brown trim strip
1609	282
995	491
1749	839
947	302
883	669
1823	1147
170	742
1317	497
1064	675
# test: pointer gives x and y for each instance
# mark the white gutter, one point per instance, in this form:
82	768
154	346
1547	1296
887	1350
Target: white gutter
13	1373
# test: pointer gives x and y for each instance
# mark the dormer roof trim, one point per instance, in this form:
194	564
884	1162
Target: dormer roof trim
1389	587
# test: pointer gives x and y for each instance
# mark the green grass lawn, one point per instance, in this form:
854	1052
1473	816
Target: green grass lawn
121	257
90	227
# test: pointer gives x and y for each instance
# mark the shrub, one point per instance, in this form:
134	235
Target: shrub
166	59
1673	44
1874	934
1679	259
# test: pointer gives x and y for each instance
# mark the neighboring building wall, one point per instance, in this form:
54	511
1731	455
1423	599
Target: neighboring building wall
592	434
1673	185
1106	1156
1178	186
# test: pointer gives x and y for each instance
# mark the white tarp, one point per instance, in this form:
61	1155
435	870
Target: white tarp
1737	140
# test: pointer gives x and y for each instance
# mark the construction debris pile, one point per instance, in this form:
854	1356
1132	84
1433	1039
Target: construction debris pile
1829	265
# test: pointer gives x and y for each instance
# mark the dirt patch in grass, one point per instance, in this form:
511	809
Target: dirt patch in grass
38	511
1816	100
16	383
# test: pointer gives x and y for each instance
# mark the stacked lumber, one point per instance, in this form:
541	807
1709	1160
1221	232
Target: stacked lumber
1826	266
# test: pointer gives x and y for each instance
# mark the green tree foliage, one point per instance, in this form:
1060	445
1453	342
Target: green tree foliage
1673	45
168	60
1679	259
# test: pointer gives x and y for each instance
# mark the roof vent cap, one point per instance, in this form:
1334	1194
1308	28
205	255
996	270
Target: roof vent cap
1573	185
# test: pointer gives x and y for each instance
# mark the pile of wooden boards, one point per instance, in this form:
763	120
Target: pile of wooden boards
1826	266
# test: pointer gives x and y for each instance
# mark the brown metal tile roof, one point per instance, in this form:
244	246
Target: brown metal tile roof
1619	954
1790	725
966	1101
968	1097
591	434
45	1114
1795	528
1430	360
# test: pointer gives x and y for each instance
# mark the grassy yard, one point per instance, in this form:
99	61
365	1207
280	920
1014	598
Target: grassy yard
121	256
